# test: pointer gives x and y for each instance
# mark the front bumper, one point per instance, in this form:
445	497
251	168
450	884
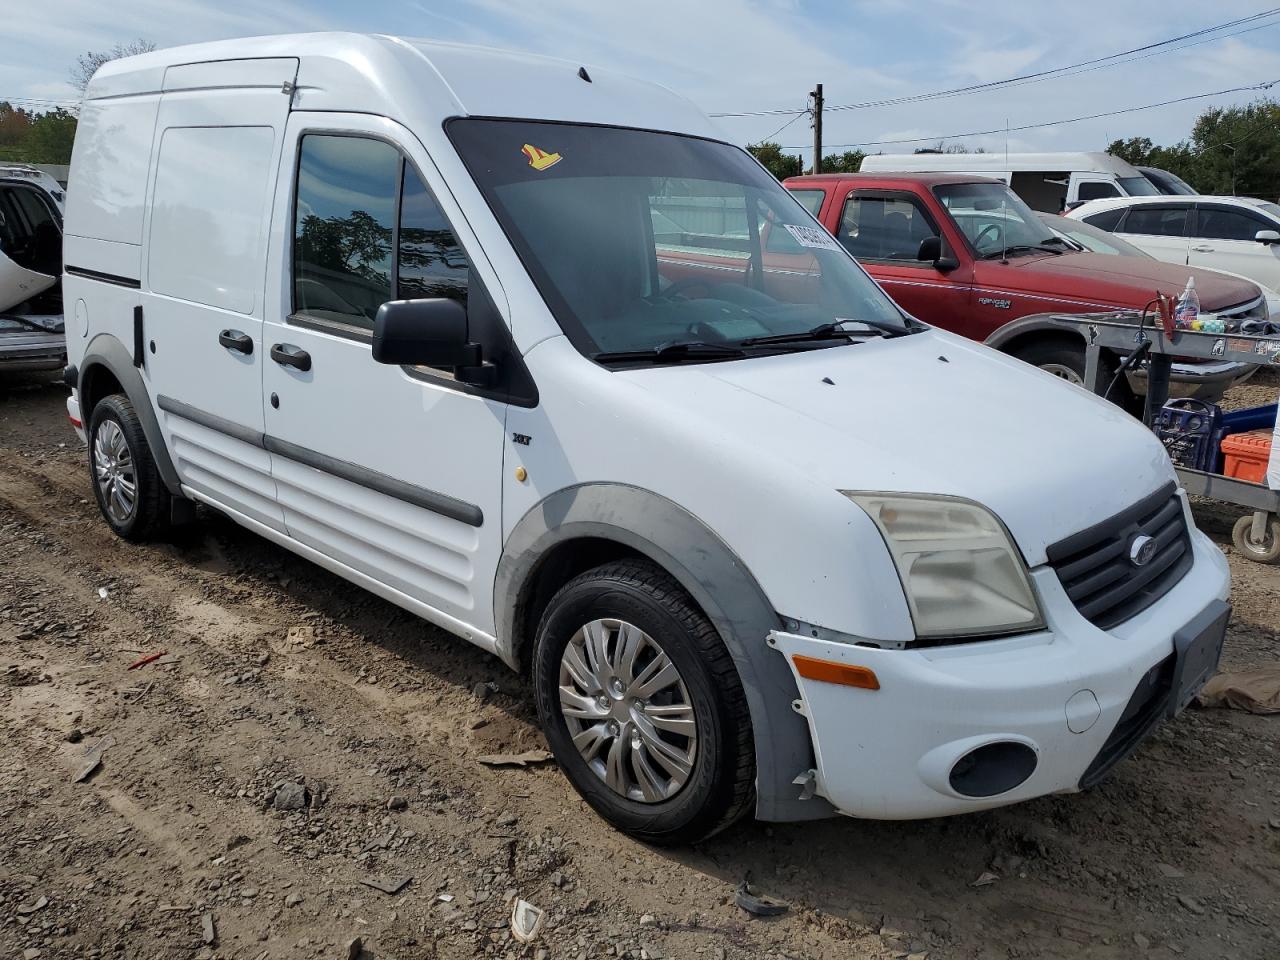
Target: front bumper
1203	381
887	753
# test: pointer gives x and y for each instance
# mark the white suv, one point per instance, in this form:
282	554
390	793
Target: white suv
497	338
1238	235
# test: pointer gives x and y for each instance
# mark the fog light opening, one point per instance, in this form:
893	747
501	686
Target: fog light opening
993	769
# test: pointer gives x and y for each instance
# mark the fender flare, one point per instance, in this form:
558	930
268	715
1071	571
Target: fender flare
1031	323
107	352
717	580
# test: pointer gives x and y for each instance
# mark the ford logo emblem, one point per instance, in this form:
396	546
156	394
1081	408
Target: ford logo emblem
1141	550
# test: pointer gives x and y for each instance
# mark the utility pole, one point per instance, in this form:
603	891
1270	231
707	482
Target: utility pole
817	128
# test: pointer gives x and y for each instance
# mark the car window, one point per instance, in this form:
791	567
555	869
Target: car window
1106	220
431	261
1219	224
343	228
1096	190
1153	221
884	228
812	199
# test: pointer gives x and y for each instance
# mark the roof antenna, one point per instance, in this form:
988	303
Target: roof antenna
582	72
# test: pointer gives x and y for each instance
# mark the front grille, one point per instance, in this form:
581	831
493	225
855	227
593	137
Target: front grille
1148	704
1097	573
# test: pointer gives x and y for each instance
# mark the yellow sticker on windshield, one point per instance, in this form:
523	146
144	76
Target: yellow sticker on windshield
539	159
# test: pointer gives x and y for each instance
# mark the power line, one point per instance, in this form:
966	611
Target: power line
4	99
1067	70
1267	85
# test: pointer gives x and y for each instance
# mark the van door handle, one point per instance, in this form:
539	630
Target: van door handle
1202	249
237	341
287	355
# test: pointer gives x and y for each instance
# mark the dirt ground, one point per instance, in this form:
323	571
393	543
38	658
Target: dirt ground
279	673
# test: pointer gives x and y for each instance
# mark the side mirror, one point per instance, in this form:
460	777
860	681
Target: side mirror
430	333
1267	236
931	252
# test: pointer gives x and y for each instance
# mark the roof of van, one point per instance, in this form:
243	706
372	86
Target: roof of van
1001	161
924	179
413	80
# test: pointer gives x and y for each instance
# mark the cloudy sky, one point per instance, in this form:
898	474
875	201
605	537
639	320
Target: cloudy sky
759	55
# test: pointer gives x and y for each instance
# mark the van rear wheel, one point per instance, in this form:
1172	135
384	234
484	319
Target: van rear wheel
642	706
126	483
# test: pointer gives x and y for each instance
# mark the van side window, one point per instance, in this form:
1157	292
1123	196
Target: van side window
344	228
431	261
884	228
1096	190
1154	221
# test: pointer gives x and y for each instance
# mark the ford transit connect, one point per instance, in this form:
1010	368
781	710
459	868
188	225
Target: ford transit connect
423	314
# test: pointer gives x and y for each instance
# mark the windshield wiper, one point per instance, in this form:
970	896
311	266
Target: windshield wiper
1024	248
826	331
673	353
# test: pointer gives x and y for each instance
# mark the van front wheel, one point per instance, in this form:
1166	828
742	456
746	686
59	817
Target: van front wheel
642	706
126	483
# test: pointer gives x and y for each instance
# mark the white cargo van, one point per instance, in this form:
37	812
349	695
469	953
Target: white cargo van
1050	182
466	328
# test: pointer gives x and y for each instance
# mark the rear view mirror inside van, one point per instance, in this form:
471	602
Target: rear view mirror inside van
429	333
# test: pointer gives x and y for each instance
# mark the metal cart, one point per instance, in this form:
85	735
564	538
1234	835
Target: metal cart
1256	534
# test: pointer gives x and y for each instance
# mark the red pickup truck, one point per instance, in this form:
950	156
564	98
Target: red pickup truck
966	254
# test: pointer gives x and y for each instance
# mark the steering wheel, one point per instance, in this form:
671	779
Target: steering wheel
688	283
995	230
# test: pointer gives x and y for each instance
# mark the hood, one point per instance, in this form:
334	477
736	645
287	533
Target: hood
930	413
1115	281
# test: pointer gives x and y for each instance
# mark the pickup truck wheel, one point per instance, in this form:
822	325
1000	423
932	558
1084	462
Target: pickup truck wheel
126	483
642	706
1066	360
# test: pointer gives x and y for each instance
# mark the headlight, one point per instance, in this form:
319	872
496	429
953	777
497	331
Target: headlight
959	568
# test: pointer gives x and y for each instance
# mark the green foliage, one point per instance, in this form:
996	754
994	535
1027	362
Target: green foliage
36	137
778	163
848	162
1231	150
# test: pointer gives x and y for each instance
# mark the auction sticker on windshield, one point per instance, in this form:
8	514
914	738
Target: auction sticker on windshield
815	237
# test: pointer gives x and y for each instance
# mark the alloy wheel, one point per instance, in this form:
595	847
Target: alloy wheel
628	710
1063	372
114	472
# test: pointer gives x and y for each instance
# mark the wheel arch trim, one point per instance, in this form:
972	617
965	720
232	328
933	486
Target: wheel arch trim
717	580
106	352
1030	325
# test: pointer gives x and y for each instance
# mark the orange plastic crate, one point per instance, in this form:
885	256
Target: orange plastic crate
1245	455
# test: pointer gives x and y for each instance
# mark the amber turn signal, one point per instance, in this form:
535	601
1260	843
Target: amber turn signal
811	668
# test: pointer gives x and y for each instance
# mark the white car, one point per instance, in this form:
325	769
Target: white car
399	306
1238	235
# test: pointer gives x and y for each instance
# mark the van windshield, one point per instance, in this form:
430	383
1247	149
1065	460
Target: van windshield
994	220
644	241
1138	187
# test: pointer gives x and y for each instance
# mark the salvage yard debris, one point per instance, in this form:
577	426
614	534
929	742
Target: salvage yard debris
392	886
757	905
1256	690
526	921
149	658
514	759
93	759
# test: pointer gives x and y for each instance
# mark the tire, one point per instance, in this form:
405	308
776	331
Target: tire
1266	552
636	605
119	457
1066	360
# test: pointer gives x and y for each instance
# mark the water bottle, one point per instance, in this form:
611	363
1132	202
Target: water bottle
1187	311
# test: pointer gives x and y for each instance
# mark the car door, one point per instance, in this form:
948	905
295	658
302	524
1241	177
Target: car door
390	474
215	153
883	229
1161	229
1224	239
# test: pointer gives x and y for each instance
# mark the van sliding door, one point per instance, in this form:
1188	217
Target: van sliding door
215	155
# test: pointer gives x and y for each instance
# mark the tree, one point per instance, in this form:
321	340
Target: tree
87	63
778	163
848	162
50	138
